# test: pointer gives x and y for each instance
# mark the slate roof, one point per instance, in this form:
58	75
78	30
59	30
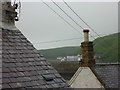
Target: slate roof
108	74
22	67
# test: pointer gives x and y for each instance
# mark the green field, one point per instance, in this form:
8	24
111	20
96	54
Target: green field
108	46
64	51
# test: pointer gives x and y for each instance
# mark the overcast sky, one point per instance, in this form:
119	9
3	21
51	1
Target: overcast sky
39	24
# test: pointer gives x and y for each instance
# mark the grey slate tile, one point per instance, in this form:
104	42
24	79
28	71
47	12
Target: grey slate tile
6	80
6	86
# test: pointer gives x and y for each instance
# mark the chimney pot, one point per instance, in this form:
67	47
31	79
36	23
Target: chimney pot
85	30
86	35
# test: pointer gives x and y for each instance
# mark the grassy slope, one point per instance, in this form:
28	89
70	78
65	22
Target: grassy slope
64	51
108	46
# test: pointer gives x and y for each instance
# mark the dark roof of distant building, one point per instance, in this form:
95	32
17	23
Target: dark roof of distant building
22	67
108	74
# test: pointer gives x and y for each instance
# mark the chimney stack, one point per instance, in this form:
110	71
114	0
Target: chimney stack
87	51
7	15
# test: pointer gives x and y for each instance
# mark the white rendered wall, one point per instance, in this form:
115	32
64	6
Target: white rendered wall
85	79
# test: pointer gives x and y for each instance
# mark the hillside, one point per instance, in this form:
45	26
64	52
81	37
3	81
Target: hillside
64	51
107	46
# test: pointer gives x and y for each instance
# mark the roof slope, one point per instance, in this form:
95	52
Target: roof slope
108	74
22	67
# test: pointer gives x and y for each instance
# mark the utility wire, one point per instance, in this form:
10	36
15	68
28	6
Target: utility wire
63	40
61	17
81	18
57	40
83	21
69	16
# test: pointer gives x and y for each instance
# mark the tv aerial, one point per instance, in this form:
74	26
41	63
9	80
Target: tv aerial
17	7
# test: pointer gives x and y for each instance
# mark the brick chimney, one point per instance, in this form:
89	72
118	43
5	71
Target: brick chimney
87	51
7	15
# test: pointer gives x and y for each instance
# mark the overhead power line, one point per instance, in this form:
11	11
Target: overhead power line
69	16
57	40
81	18
65	39
61	17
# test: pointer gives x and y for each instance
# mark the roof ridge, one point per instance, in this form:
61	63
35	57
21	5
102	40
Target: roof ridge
97	76
117	63
75	75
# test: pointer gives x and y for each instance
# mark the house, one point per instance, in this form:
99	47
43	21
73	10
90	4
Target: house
98	56
92	75
73	58
100	76
20	66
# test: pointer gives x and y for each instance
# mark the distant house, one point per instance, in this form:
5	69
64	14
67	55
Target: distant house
73	58
59	58
98	56
63	59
